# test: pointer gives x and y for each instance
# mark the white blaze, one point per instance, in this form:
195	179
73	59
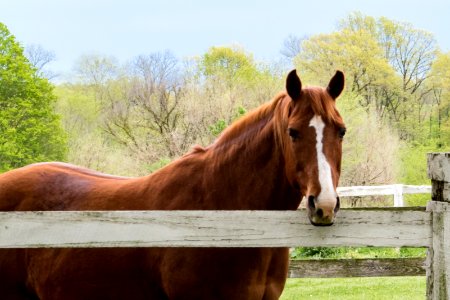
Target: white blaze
327	192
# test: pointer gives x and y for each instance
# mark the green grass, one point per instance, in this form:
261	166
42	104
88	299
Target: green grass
378	288
355	252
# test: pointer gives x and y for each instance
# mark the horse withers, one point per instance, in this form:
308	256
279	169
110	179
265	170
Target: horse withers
270	159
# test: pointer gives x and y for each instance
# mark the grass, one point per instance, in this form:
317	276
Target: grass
355	252
355	288
378	288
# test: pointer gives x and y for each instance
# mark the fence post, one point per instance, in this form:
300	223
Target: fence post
438	271
398	195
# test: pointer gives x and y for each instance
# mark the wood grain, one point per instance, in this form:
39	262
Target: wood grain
329	268
370	227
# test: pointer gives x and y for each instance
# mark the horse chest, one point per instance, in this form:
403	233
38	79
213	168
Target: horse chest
250	273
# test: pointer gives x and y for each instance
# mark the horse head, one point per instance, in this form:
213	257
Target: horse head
313	134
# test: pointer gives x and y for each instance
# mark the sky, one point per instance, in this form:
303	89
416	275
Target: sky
127	28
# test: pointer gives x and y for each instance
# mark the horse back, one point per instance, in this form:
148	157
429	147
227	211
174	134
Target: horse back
56	186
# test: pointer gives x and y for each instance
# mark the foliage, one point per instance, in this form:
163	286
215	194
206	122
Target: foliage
89	145
139	103
218	127
153	109
440	85
413	160
355	252
231	64
314	252
221	124
369	148
29	129
387	64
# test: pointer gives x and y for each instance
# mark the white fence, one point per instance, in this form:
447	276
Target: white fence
396	190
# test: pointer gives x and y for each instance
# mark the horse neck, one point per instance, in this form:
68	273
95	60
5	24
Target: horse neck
248	172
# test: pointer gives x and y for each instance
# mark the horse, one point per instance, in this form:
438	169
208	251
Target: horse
283	151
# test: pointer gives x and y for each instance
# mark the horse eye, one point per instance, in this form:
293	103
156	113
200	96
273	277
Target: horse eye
294	133
342	132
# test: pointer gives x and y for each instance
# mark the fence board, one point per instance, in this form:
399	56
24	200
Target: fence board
416	189
382	190
333	268
362	227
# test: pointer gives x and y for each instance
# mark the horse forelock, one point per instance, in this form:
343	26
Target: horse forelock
323	105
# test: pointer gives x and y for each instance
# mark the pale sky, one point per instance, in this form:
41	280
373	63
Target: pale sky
125	29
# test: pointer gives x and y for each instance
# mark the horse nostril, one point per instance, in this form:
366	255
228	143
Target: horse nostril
319	213
338	205
311	204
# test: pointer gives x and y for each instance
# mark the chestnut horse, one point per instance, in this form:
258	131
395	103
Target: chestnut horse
285	150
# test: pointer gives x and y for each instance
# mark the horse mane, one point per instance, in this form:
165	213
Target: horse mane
252	123
263	113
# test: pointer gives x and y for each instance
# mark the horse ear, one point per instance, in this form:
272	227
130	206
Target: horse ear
293	85
336	84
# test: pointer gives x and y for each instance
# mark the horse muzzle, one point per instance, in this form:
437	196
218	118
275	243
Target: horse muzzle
322	213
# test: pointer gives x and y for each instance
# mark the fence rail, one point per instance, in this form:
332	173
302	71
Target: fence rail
396	190
379	267
382	227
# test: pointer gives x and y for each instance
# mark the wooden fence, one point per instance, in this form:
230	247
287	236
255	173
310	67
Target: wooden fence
385	227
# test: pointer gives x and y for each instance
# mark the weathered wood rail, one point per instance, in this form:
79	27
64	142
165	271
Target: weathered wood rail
388	227
393	227
362	267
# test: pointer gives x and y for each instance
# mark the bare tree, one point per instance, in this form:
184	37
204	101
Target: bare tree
40	59
144	113
412	56
96	69
292	46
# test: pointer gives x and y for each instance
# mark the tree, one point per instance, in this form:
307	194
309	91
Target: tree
440	86
149	109
292	46
369	149
96	69
386	62
410	52
358	54
29	129
139	104
232	80
232	64
39	59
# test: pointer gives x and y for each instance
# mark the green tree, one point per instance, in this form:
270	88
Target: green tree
231	79
29	129
410	52
440	86
232	64
358	54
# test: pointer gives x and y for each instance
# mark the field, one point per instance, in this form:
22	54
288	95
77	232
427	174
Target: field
355	288
410	288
